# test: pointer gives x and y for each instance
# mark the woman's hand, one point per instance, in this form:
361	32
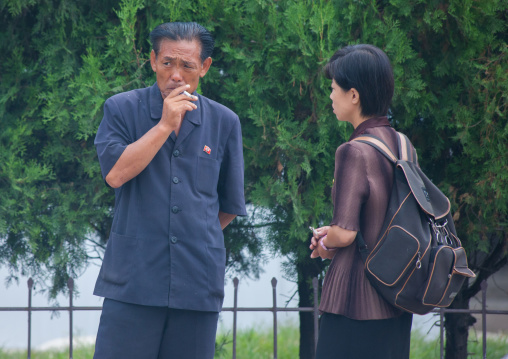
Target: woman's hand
316	245
317	234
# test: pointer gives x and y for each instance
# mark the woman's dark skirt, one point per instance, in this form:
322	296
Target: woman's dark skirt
344	338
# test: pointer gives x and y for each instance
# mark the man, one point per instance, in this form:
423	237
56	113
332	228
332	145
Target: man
176	164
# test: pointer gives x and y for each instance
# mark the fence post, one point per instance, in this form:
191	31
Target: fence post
30	286
316	311
274	285
70	285
483	286
441	333
235	305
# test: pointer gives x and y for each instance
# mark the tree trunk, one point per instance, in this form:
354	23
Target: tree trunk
306	272
457	329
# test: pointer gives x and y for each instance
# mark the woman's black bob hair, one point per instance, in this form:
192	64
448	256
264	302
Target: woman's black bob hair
367	69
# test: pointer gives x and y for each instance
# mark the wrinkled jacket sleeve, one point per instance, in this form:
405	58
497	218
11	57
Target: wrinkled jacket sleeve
112	137
231	178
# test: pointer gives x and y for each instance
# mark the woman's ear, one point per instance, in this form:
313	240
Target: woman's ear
355	96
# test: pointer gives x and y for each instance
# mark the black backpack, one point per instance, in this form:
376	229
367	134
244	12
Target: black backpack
418	262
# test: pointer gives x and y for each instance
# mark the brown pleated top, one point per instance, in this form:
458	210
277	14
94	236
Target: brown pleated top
360	194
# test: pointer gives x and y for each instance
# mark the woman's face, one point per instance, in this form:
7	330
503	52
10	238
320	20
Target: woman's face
342	103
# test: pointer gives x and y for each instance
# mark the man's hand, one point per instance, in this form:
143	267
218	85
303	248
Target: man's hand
139	154
225	219
176	104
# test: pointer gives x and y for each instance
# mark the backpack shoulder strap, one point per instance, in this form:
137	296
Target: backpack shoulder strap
379	145
407	151
383	148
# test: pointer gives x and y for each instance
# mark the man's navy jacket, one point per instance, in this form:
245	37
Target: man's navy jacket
166	246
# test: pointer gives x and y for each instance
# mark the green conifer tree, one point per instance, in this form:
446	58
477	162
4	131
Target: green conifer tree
60	60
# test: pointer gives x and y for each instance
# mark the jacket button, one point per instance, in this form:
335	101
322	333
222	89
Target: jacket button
176	153
175	209
175	180
174	239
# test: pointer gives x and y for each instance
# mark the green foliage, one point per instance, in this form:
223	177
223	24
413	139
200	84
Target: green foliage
258	344
422	347
449	60
60	60
450	67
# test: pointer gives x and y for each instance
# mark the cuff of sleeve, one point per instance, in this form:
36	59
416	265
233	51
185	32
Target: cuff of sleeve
231	209
325	247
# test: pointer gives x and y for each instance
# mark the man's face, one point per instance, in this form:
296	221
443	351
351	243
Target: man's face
178	63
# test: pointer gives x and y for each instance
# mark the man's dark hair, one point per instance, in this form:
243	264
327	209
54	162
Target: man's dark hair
367	69
177	31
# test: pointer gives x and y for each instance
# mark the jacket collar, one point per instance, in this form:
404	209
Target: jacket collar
370	123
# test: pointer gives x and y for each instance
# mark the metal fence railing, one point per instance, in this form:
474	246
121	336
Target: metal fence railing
235	309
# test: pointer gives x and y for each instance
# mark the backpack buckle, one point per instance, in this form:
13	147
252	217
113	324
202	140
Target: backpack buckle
440	231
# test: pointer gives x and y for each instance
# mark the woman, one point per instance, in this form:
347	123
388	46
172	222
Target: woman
356	322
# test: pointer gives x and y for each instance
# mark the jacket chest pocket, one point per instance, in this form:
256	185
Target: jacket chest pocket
207	175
